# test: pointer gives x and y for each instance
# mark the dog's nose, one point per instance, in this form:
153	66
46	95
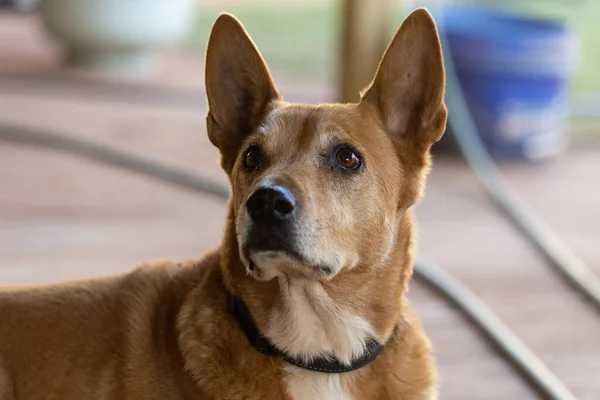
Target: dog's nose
271	204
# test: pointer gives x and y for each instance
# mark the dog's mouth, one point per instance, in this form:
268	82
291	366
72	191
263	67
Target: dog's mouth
272	252
259	256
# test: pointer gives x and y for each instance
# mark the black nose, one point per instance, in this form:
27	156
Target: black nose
271	204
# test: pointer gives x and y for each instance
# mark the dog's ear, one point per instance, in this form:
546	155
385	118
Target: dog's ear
238	86
408	89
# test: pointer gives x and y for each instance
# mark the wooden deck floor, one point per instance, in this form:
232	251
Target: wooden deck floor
63	218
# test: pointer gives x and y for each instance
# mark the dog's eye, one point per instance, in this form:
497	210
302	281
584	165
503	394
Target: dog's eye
347	158
252	158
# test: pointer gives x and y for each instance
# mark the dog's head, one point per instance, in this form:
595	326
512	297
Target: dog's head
318	190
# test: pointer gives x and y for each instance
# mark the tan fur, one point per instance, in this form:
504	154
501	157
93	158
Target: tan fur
163	331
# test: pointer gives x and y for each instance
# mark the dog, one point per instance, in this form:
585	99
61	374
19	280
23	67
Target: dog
305	297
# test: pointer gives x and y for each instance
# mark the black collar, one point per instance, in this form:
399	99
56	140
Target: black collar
321	364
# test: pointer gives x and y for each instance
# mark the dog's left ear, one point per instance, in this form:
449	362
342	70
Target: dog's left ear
408	89
238	86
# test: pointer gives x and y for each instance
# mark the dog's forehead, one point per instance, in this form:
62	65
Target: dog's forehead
305	126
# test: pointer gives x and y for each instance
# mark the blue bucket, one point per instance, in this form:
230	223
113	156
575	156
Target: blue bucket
514	72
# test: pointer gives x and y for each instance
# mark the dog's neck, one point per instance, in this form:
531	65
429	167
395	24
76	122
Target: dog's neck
308	319
310	322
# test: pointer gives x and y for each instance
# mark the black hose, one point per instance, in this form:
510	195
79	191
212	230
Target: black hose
113	157
505	341
530	367
549	245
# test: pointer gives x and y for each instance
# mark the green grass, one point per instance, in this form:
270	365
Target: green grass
587	24
297	41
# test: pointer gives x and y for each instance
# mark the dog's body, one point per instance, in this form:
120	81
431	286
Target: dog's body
318	247
162	332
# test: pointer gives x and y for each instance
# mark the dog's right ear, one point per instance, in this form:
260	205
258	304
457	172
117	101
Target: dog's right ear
238	86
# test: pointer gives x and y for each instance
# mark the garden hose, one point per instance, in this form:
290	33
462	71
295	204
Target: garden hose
531	368
113	157
528	365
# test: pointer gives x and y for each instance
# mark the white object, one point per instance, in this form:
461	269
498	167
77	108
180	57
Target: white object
117	36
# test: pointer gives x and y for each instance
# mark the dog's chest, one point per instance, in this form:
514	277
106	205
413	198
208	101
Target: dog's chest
310	324
307	385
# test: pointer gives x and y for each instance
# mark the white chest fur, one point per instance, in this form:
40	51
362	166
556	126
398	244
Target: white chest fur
307	385
311	324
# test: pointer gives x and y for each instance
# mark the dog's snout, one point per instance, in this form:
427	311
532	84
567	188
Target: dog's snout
271	204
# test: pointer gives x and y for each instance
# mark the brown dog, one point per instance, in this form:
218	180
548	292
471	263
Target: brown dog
305	297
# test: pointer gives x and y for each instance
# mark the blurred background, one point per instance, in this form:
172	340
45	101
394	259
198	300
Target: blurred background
130	74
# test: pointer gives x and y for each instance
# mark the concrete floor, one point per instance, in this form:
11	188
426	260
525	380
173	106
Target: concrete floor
64	218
